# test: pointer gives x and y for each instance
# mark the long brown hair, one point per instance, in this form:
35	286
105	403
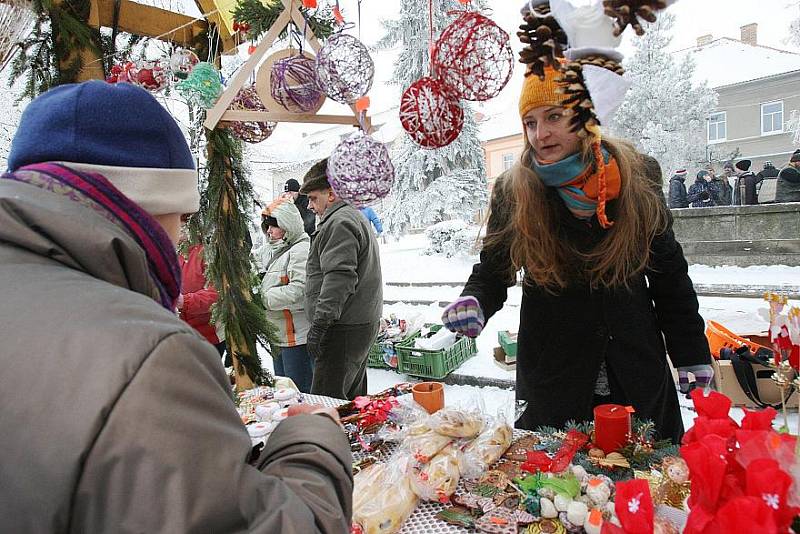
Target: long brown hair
530	231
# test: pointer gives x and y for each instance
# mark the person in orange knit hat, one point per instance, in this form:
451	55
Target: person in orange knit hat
606	284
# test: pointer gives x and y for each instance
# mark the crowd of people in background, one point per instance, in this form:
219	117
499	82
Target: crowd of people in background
738	185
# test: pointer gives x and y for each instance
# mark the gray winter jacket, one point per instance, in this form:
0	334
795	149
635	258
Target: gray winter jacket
115	415
343	278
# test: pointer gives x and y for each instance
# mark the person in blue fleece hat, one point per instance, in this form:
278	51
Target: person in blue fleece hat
115	415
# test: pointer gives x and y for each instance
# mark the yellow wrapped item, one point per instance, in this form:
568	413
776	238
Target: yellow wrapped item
423	443
486	449
382	499
457	423
438	480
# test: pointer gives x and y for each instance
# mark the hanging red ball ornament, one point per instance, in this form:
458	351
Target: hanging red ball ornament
149	75
474	57
431	113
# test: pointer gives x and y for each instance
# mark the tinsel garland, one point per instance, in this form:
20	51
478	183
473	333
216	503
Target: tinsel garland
258	18
229	268
638	457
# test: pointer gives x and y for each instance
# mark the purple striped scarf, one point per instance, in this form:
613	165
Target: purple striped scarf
100	195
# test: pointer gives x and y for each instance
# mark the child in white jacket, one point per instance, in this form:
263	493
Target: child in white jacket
283	260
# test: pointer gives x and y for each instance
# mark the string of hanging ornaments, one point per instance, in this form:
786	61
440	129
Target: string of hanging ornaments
471	60
359	169
155	75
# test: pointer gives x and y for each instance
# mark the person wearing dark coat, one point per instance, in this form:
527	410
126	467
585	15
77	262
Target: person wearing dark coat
768	180
745	192
702	192
606	284
724	191
788	186
678	197
292	188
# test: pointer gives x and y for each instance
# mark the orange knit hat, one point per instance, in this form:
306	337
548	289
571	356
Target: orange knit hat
537	92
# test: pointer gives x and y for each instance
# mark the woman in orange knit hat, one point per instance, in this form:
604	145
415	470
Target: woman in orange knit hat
584	218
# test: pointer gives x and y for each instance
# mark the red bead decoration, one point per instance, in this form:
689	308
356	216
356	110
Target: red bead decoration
473	56
431	113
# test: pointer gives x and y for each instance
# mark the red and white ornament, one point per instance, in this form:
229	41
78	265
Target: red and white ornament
149	75
473	56
431	113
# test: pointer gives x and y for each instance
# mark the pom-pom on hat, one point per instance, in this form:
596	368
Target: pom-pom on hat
743	165
146	158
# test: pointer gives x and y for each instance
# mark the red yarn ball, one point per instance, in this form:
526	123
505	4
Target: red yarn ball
473	56
431	113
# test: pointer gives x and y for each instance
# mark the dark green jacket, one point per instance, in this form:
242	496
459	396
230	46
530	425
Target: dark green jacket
343	276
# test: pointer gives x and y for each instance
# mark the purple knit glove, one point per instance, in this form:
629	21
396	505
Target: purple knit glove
702	376
464	316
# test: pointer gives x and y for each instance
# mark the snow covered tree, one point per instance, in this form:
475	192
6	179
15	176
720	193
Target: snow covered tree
665	111
430	185
794	30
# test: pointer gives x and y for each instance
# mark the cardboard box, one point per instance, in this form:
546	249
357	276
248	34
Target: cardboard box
502	360
727	384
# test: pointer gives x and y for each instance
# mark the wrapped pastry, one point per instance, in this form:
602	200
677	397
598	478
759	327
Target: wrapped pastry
457	423
382	499
438	480
486	450
423	443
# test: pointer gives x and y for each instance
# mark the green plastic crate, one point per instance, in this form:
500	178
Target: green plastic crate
375	355
435	364
508	341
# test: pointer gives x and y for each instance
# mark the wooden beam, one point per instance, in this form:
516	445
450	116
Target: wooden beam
276	116
214	114
151	21
92	65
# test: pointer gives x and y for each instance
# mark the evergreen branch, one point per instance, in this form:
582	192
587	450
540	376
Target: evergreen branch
229	266
259	18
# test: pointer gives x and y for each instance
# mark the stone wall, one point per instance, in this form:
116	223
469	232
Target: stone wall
740	235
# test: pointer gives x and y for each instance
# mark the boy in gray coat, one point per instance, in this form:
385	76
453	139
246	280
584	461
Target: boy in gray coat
344	290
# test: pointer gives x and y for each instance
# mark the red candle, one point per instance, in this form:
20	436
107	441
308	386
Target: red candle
612	427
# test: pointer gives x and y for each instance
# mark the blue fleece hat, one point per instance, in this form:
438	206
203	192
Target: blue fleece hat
117	130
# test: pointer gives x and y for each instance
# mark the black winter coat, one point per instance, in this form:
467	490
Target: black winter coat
678	198
564	338
788	187
309	219
724	191
746	191
702	193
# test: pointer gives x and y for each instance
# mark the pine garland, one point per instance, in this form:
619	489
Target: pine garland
229	265
640	458
258	18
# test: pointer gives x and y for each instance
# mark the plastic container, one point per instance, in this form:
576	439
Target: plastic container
720	337
429	395
435	364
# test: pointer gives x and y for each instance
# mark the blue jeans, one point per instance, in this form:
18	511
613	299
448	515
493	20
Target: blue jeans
295	363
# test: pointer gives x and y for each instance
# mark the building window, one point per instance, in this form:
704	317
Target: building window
508	161
717	127
772	118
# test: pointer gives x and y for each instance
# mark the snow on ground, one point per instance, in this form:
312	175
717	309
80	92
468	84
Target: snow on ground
760	274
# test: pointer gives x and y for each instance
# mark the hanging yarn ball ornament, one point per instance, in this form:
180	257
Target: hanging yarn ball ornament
360	170
430	113
474	57
345	69
181	63
149	75
249	131
203	85
288	80
16	21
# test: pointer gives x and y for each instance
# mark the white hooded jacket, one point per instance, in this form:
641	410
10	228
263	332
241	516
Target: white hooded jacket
283	286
